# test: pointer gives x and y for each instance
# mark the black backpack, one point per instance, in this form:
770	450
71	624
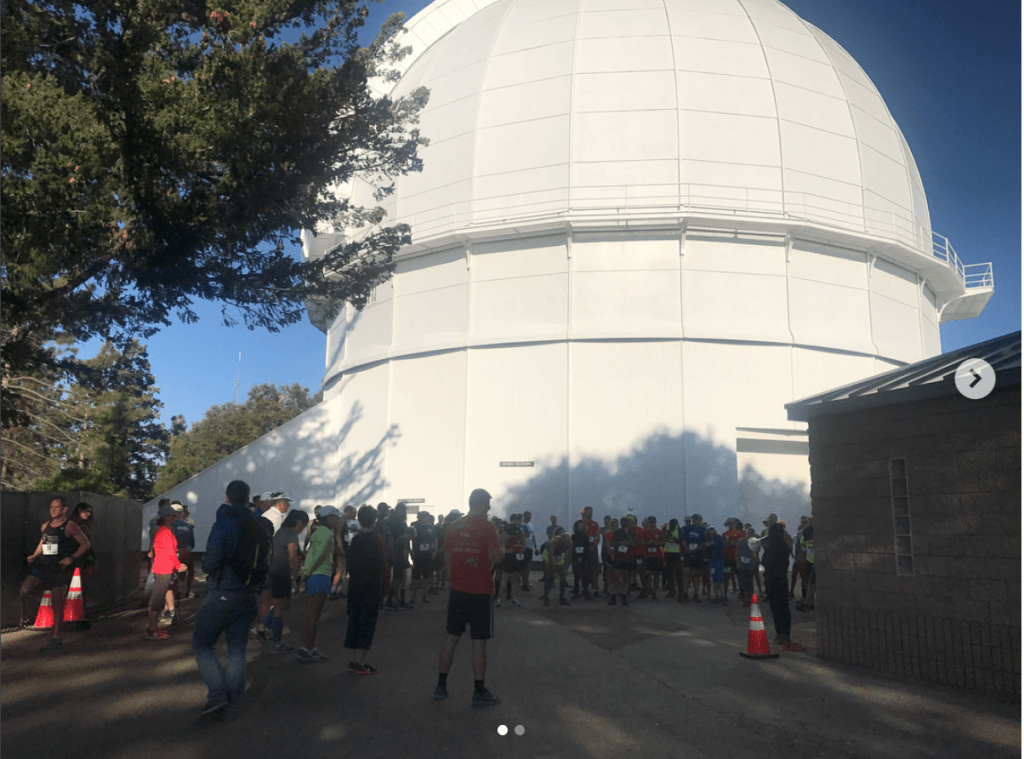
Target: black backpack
250	561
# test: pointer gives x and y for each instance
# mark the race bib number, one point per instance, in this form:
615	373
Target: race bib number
519	557
639	561
672	544
579	549
745	561
623	549
651	549
424	546
693	546
727	569
591	538
49	549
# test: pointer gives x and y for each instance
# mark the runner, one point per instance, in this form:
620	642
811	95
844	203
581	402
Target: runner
62	544
714	548
368	573
166	565
580	543
606	555
674	560
514	544
317	571
471	547
531	548
284	568
731	539
424	547
592	564
555	557
619	545
693	555
654	557
745	567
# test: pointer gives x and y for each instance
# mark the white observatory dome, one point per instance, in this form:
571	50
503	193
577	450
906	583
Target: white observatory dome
566	106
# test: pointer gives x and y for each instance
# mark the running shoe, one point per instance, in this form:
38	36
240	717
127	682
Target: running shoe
424	600
625	602
696	599
175	619
546	601
440	693
587	597
563	602
498	602
284	648
156	635
485	698
367	669
213	706
308	657
354	667
611	600
513	602
724	601
54	645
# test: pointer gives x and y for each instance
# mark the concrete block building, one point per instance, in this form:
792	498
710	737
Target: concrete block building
917	512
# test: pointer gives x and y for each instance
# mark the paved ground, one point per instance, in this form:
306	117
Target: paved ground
652	680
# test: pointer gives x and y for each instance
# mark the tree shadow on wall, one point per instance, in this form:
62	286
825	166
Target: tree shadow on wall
665	476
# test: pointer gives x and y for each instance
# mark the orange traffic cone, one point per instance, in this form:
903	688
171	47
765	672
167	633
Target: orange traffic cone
44	618
757	638
74	608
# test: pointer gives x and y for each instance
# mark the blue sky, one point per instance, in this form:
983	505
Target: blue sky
950	73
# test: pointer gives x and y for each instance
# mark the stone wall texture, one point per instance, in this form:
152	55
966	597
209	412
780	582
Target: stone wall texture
956	619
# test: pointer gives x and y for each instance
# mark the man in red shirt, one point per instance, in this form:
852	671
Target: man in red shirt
654	558
470	548
732	537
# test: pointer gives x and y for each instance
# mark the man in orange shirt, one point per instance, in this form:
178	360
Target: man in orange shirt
470	548
591	564
732	537
654	558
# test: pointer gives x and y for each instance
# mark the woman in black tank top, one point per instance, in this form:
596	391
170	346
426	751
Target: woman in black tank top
61	544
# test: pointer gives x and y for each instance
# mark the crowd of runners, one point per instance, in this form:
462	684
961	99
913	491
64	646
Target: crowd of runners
261	552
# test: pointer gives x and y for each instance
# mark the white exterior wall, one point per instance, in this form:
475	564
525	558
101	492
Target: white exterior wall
642	227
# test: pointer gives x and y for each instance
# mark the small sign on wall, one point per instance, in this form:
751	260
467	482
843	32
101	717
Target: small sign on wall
412	500
516	463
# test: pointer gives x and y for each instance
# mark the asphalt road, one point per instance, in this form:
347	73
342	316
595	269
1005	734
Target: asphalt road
656	679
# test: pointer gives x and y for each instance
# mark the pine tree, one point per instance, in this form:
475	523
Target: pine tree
160	151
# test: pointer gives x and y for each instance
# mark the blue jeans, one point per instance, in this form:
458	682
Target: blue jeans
231	613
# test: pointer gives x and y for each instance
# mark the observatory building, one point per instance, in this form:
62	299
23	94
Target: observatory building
642	228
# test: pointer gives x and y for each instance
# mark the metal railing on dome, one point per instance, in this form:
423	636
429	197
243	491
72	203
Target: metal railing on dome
626	202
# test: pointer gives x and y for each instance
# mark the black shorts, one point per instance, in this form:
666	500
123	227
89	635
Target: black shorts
474	609
673	560
421	566
437	563
280	586
161	584
692	562
654	564
623	565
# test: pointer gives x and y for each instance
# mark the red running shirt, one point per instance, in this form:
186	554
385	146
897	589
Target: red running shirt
637	550
468	540
165	551
653	533
593	529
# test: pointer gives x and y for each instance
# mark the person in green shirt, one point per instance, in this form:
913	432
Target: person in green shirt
317	570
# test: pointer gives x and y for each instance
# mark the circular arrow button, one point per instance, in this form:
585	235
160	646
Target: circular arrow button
975	378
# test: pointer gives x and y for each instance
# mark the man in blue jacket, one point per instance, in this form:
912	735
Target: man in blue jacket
229	608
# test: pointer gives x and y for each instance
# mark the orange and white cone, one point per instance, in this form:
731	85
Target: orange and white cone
74	608
757	638
44	617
